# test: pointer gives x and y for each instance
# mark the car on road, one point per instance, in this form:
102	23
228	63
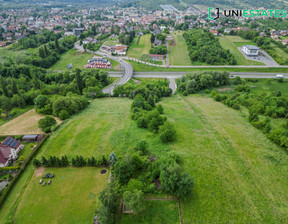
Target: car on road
279	76
231	76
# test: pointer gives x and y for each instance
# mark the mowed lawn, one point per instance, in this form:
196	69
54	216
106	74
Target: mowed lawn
78	60
135	51
231	43
26	123
155	212
178	51
71	198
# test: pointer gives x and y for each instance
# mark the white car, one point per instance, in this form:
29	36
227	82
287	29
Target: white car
279	76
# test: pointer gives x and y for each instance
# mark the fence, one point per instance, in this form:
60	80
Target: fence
15	179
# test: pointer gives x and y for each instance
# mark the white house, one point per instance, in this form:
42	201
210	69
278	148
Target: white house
250	50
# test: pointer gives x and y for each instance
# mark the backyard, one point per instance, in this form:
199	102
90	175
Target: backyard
75	188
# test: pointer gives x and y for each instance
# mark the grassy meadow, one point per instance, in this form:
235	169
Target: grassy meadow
135	51
231	43
240	176
155	212
78	60
178	52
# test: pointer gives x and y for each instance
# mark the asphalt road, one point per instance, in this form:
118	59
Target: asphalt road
175	75
128	72
127	68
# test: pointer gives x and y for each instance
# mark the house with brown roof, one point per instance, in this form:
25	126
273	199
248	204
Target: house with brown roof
9	149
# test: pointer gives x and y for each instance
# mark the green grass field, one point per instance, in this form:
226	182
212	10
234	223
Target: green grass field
135	51
155	212
262	85
178	52
8	52
77	59
231	43
240	176
71	197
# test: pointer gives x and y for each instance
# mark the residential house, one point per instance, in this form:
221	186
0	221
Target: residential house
9	149
156	56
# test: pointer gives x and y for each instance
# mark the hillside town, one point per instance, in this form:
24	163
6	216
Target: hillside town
18	23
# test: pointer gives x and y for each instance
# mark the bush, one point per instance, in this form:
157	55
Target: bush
63	115
160	108
167	133
142	147
46	123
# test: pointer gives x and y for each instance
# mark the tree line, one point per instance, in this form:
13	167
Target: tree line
77	161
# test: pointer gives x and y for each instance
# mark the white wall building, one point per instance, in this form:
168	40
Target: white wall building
250	50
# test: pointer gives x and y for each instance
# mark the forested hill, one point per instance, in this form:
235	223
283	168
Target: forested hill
240	4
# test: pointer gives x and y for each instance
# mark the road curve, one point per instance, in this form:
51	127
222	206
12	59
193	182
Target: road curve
127	68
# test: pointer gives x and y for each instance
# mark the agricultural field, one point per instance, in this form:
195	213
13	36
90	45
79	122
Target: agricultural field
231	43
155	212
71	198
178	52
26	123
15	113
136	50
234	166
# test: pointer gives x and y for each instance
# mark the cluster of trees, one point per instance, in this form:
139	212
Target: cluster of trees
161	49
21	85
148	115
127	38
49	54
157	89
61	106
33	41
204	47
262	108
78	161
194	82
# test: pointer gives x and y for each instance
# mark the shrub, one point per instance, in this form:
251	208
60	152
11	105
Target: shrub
142	147
46	123
160	108
167	133
63	115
